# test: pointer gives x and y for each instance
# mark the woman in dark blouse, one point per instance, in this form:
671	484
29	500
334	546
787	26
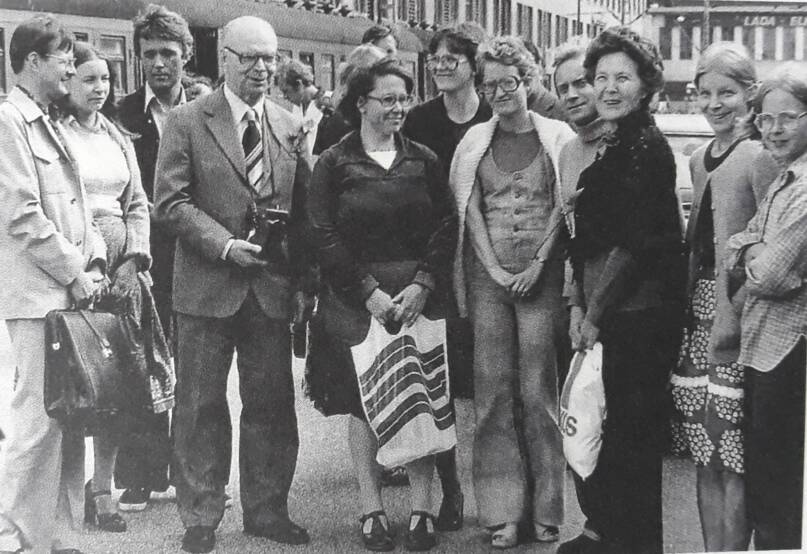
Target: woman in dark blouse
383	224
628	265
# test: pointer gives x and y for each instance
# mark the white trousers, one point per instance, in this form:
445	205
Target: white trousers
41	469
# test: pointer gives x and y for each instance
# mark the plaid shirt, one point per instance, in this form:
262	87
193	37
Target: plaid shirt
775	311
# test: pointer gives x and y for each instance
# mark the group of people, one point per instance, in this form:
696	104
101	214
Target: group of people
535	223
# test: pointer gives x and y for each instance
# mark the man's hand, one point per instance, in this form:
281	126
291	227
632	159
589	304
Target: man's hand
86	286
576	317
524	282
412	300
245	254
381	306
125	280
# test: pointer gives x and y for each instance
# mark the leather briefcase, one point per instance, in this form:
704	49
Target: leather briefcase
91	368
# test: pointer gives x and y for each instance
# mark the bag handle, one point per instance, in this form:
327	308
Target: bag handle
105	345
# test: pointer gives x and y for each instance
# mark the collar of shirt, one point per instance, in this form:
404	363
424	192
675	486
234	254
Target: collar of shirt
239	107
798	167
151	96
25	102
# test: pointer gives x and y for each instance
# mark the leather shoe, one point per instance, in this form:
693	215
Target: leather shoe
284	531
199	539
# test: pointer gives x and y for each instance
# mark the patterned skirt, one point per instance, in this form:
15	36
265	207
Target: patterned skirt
708	398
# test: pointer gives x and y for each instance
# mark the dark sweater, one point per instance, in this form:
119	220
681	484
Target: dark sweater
429	124
628	212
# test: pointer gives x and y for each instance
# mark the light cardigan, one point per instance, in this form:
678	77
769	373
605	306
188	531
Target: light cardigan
553	136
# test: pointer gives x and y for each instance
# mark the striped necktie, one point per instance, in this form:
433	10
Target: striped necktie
253	150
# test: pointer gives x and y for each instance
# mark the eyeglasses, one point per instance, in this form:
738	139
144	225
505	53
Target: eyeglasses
786	120
506	84
63	60
388	102
250	60
449	62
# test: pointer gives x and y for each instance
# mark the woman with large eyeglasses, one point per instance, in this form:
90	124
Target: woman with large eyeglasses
770	257
629	268
509	279
730	175
384	228
440	123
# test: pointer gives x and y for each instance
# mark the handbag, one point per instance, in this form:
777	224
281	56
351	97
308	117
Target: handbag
583	411
91	368
403	383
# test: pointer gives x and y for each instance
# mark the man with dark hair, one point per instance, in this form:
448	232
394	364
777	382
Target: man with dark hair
382	36
231	182
52	256
297	84
163	42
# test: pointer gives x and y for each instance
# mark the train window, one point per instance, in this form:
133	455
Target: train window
284	55
308	59
114	48
79	35
326	72
2	61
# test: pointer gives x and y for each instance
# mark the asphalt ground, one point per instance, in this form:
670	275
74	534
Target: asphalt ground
324	496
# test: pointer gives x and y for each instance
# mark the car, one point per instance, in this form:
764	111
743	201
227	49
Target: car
685	133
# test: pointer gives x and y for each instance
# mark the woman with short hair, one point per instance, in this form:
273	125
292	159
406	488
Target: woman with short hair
626	256
505	177
383	225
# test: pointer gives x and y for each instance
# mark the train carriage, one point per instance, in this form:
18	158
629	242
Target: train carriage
320	40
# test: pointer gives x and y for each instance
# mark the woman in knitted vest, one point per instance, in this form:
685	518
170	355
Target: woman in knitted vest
505	176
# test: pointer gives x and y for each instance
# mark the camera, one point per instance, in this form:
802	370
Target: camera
267	227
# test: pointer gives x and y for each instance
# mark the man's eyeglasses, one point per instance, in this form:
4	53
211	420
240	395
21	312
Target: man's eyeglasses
250	60
63	60
388	102
786	120
506	84
449	62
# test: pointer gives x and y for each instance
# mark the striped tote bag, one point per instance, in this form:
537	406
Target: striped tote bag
403	381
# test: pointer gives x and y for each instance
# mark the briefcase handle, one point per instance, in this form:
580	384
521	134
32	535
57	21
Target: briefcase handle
106	348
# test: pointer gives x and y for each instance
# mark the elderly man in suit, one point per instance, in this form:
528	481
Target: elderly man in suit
51	255
229	165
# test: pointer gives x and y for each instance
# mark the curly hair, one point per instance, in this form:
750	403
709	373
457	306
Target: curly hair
292	71
363	81
639	49
506	50
161	23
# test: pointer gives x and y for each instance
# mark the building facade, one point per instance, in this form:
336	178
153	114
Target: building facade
773	32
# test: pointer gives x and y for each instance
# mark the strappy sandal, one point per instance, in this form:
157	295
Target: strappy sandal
377	537
111	522
504	536
420	534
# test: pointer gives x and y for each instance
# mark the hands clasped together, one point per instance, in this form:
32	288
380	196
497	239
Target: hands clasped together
405	307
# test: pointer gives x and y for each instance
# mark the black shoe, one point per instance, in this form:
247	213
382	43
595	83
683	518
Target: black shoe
420	534
134	500
582	544
284	531
110	522
378	538
449	518
199	539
